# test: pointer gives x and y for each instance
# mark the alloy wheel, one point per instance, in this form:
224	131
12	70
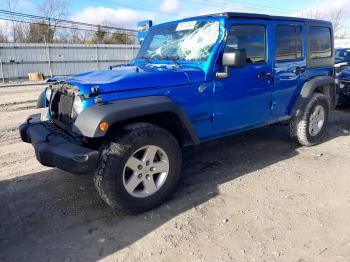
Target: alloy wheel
145	171
317	119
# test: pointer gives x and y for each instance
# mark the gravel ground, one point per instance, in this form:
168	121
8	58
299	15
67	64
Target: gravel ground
251	197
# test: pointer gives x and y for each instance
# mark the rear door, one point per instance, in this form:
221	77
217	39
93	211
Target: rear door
289	65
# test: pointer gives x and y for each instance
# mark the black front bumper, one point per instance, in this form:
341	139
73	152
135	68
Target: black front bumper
54	148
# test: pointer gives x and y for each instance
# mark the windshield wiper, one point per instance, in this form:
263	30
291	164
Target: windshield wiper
174	59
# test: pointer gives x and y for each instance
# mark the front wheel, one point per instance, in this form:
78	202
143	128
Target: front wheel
139	169
309	128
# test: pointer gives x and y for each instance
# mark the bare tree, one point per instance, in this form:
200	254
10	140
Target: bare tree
336	17
339	26
80	36
3	36
63	36
21	31
12	6
53	9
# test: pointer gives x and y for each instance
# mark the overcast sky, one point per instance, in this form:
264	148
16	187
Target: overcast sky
127	13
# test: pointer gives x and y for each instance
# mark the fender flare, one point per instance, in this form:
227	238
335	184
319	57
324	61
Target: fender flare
87	122
308	90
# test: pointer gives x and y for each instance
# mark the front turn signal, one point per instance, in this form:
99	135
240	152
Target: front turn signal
104	126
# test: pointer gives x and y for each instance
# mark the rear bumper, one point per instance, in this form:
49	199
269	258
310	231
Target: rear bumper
54	148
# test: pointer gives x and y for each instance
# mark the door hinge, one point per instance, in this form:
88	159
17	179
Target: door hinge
216	116
273	106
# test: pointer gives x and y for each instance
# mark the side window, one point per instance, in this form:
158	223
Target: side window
251	38
288	42
320	42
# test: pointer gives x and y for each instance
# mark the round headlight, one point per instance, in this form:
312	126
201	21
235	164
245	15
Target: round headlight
77	105
48	93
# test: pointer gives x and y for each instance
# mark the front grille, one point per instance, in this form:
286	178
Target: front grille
61	108
65	106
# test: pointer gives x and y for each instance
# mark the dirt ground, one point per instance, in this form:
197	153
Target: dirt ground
251	197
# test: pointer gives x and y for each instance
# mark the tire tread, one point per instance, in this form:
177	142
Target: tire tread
299	125
114	150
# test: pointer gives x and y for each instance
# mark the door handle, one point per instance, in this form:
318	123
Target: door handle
263	76
299	70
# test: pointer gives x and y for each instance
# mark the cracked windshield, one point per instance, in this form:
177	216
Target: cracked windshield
190	41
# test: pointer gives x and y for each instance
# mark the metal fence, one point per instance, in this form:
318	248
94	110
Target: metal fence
17	60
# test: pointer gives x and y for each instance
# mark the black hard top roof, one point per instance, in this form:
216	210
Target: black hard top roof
265	17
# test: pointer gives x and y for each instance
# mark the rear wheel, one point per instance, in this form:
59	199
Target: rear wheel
309	127
139	169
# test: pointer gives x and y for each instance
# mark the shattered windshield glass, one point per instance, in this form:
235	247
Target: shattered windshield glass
191	41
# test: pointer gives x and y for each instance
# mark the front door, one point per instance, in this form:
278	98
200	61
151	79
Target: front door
244	98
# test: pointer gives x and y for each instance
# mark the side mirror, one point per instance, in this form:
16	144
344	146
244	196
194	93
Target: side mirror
235	58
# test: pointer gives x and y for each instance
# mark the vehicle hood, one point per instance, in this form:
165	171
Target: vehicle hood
344	75
134	77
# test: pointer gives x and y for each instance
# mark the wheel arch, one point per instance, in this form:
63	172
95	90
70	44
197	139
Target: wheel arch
168	120
158	110
320	84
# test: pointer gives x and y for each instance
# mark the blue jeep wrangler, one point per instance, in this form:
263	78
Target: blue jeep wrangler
192	81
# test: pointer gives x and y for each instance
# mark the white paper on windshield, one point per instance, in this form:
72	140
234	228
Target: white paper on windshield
186	26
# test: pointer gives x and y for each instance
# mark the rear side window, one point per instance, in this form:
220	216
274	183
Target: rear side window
320	42
288	42
251	38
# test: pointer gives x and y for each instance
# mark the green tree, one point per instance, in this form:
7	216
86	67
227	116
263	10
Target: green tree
100	35
121	38
38	33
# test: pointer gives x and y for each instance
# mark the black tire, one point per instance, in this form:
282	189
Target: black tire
108	177
299	126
